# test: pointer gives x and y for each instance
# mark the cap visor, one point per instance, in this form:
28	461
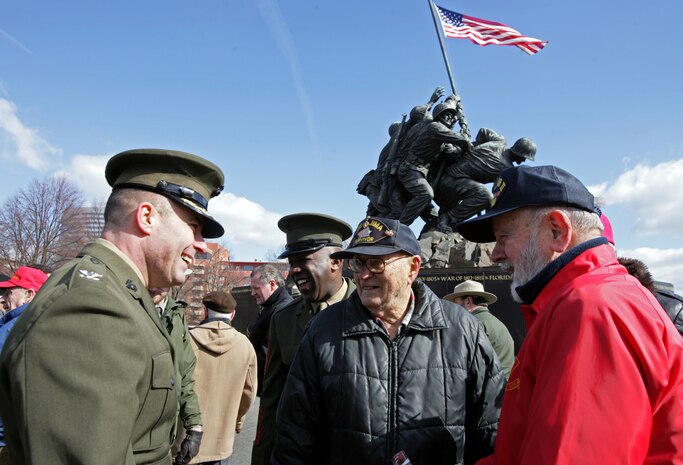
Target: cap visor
366	250
211	229
480	229
8	283
298	250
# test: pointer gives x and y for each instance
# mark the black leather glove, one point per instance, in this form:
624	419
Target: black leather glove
189	447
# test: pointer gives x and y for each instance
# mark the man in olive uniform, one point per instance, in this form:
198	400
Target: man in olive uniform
173	319
311	239
471	295
88	375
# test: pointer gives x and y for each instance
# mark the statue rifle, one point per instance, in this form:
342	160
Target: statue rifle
387	180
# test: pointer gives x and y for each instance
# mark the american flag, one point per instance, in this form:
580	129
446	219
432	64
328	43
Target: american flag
483	32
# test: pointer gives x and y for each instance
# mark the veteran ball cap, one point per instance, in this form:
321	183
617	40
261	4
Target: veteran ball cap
187	179
527	186
308	232
26	278
380	236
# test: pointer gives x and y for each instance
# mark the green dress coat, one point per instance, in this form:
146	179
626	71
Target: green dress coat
87	376
287	327
173	319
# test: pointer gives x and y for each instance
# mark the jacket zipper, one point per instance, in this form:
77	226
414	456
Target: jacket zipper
392	436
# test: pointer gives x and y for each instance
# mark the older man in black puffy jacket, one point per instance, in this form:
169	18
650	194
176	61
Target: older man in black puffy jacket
392	369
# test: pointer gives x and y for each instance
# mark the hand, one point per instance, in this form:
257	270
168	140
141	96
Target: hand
438	93
189	447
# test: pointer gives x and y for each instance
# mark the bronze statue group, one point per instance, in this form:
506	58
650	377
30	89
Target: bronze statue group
426	161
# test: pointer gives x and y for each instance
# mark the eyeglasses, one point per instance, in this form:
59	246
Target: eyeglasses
375	265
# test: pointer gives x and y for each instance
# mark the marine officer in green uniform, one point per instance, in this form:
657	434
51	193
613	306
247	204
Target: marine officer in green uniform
88	375
311	239
173	319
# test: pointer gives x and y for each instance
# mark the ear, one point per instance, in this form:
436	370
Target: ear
145	218
561	230
336	263
415	262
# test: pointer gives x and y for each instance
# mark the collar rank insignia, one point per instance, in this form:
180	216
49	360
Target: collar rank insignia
89	275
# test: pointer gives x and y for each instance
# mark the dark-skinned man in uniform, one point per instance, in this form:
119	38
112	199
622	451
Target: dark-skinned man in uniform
88	375
311	239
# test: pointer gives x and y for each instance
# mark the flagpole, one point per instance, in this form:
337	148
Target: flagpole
460	111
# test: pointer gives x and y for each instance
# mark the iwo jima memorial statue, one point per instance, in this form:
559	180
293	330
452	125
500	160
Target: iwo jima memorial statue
429	171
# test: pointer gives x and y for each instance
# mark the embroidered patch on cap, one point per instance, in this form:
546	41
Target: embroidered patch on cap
370	232
497	191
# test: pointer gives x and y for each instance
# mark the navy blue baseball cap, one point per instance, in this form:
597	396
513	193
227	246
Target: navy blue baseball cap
380	236
527	186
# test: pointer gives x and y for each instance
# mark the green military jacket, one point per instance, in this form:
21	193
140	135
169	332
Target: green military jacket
173	319
87	375
500	338
287	326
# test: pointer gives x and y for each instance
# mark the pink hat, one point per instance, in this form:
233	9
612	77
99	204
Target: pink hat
26	278
608	232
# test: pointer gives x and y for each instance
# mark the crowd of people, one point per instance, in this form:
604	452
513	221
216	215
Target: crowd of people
99	366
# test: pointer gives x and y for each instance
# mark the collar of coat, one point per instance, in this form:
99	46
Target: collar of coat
529	291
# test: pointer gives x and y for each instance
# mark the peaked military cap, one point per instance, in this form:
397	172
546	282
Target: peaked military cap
308	232
185	178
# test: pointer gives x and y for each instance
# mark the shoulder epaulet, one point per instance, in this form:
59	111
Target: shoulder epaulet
88	270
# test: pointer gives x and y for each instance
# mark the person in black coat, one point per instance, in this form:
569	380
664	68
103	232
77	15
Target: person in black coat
269	291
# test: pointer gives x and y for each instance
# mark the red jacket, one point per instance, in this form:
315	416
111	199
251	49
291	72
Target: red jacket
599	378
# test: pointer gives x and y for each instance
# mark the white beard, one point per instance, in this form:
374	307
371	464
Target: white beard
531	262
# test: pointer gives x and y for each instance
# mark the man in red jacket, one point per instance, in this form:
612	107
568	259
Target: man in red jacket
599	378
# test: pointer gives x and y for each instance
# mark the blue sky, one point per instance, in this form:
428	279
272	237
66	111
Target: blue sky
293	99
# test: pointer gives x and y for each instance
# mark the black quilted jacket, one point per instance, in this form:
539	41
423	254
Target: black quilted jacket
353	396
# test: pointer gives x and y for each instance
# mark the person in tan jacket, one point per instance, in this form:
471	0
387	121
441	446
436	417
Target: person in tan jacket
225	378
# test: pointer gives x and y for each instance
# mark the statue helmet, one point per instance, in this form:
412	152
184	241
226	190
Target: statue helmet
524	148
444	106
393	128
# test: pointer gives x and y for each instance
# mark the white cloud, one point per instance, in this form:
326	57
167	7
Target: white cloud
664	264
20	143
654	193
598	190
87	172
248	225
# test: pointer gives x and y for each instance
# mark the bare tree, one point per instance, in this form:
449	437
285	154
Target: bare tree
213	272
44	224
